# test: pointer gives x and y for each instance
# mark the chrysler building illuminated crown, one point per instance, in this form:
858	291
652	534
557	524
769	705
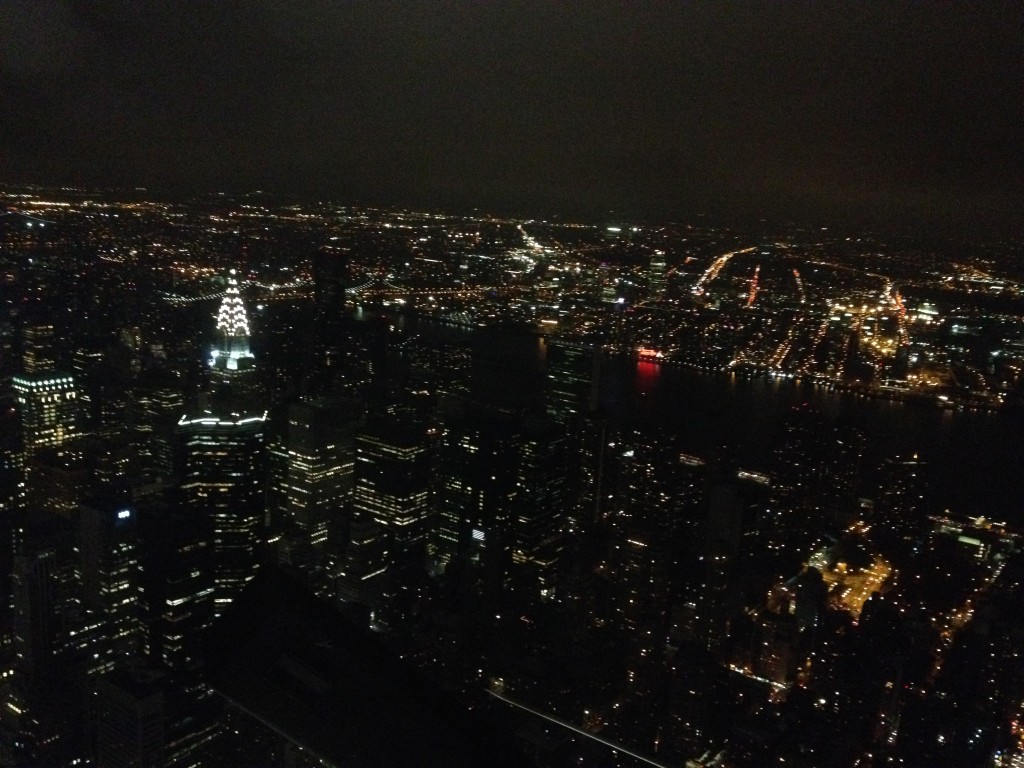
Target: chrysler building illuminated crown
232	350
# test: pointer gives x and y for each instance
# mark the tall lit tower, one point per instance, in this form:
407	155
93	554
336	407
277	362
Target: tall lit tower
231	355
220	457
657	279
541	510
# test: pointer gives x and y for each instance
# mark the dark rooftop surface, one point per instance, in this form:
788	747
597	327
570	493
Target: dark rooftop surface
303	669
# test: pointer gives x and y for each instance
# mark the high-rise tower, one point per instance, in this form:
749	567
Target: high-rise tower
221	469
572	380
220	456
311	477
328	339
48	407
657	278
39	353
392	481
109	575
541	510
477	487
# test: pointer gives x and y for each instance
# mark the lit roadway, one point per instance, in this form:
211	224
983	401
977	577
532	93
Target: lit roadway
716	266
531	241
957	619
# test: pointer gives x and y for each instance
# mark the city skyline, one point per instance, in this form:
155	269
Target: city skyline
458	382
310	484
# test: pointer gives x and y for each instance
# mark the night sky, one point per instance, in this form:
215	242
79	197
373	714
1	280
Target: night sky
907	113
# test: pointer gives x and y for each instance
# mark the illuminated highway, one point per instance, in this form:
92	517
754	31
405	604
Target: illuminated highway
716	266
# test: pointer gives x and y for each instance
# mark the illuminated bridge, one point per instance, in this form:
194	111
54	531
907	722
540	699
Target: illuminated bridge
268	292
381	288
374	288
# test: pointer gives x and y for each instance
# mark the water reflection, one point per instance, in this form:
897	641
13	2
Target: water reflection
647	374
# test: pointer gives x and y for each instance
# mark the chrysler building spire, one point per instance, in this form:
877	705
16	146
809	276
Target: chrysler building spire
232	350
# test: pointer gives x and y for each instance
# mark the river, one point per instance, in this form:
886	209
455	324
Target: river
975	458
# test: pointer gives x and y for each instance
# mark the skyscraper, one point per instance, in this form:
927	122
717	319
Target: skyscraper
110	577
438	366
329	266
311	476
477	479
180	596
365	560
327	341
589	470
572	380
318	453
232	363
39	352
12	465
392	482
130	720
815	475
48	407
158	404
657	278
542	503
901	504
221	460
41	715
221	453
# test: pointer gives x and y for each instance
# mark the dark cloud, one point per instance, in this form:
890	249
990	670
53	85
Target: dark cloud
900	111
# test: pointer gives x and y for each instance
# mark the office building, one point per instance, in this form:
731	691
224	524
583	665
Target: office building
901	505
48	405
179	592
573	372
477	486
42	691
12	463
589	470
312	474
326	345
542	504
110	577
130	721
158	402
221	471
439	367
220	456
39	349
657	276
392	487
